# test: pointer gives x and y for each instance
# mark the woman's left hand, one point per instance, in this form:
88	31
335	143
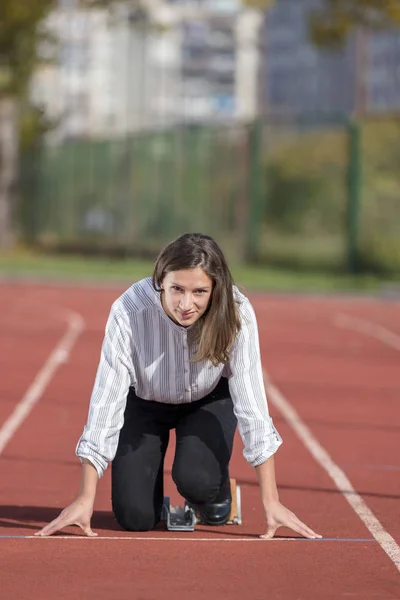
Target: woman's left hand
279	516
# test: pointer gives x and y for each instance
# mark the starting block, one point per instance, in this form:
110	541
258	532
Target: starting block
185	518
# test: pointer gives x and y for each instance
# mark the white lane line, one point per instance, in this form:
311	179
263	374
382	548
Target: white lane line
340	479
183	539
59	355
384	335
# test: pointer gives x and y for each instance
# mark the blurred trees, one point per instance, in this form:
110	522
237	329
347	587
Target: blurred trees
330	25
260	4
19	33
22	31
307	198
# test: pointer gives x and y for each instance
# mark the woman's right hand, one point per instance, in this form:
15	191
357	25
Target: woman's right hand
78	513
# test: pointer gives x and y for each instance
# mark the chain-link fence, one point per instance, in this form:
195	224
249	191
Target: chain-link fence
131	196
309	193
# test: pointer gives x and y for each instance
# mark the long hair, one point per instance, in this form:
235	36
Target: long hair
216	330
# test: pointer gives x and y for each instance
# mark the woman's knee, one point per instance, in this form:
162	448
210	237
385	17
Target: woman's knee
197	486
135	518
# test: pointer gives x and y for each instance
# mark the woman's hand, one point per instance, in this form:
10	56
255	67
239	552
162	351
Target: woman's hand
279	516
78	513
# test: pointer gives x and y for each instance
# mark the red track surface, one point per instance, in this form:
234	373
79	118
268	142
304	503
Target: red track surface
345	386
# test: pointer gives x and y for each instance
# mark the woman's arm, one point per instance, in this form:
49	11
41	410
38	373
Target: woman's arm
277	515
89	479
261	440
114	376
98	443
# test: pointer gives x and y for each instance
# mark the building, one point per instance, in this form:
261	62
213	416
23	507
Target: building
110	75
208	69
297	77
383	81
116	74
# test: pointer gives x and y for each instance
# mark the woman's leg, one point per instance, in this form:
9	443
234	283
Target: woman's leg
137	469
204	442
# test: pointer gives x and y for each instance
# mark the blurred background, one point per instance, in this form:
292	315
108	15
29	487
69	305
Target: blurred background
272	125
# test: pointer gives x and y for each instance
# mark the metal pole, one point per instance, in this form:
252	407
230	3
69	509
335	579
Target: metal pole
255	191
354	194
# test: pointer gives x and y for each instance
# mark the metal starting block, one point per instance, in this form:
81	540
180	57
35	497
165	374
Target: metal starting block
185	518
178	518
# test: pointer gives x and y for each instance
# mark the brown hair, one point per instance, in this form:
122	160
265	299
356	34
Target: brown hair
217	329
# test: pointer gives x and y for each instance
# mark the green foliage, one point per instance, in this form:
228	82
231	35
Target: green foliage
21	30
19	35
307	184
298	187
33	124
330	25
380	223
259	4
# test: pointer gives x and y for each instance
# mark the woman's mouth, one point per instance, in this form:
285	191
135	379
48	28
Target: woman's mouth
187	315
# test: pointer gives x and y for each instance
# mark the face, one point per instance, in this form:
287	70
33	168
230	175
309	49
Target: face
186	295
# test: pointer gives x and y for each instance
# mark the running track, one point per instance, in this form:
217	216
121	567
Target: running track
333	371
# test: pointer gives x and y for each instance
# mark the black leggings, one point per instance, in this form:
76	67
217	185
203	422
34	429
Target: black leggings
205	431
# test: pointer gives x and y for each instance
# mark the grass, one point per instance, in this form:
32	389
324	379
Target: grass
77	269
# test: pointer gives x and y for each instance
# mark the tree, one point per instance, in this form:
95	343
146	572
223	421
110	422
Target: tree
259	4
18	41
331	24
22	29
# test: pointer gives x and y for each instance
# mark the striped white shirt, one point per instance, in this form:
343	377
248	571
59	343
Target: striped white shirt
145	349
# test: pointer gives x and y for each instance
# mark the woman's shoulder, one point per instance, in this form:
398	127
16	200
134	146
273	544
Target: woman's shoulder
241	299
244	306
239	295
138	297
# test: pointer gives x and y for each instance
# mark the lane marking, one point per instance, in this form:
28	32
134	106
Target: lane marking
59	355
366	327
359	466
182	539
340	479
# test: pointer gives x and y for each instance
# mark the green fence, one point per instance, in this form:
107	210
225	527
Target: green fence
132	195
307	192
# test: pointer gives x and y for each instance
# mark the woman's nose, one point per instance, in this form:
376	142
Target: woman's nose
186	302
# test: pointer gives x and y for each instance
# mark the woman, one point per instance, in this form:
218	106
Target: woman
180	352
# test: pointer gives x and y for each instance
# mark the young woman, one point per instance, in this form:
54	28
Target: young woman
180	352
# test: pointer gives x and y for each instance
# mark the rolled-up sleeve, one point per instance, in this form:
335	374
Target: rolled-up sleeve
261	439
99	440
